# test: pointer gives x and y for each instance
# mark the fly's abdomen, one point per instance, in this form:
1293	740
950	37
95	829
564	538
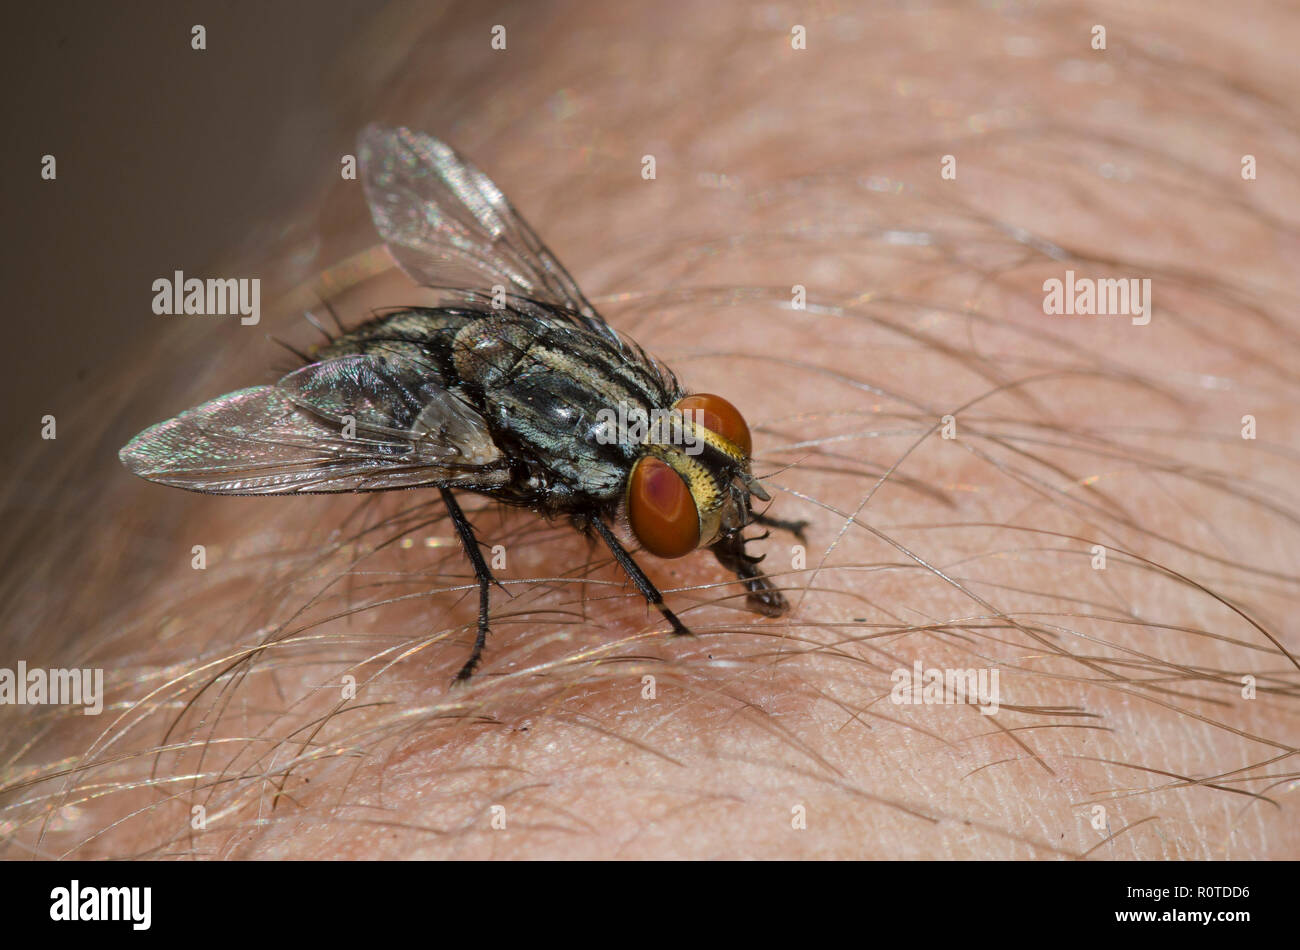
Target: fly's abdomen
433	329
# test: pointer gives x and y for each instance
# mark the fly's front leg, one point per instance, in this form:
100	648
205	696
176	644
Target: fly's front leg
794	527
481	572
633	570
763	597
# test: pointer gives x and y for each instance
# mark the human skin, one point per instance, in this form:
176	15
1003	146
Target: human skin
1123	732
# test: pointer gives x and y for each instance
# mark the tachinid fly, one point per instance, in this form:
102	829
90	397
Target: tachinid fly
507	388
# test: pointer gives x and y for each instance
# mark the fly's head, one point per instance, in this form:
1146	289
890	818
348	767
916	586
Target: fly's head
692	492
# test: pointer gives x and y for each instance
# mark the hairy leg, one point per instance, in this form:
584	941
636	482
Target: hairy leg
482	574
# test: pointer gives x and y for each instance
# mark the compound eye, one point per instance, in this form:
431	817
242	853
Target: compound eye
721	417
661	510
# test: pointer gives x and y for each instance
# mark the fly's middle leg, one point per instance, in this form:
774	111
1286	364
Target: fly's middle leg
481	572
633	570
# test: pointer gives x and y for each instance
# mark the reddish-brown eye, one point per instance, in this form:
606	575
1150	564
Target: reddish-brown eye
720	416
661	510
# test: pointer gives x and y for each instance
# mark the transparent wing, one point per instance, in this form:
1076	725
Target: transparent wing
394	393
345	425
448	225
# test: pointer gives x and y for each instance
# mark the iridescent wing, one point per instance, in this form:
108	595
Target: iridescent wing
449	226
356	423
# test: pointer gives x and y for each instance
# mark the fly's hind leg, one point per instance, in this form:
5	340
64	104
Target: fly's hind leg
633	570
481	572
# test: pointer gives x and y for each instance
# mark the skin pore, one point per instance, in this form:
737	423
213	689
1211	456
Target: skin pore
296	690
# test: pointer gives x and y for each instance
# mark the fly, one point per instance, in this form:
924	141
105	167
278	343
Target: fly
508	388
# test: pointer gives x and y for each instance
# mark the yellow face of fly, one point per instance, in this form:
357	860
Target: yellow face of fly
709	484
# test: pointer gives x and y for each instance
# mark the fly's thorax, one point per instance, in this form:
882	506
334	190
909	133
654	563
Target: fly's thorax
543	385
